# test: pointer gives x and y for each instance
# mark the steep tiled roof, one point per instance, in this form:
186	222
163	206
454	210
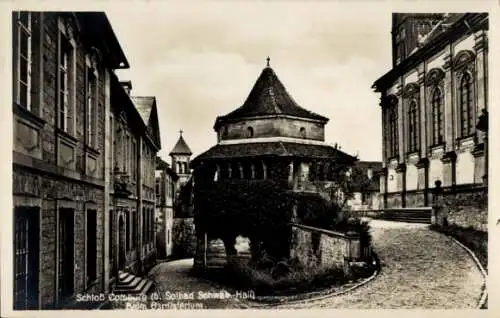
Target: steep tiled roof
144	105
181	147
161	164
269	97
279	148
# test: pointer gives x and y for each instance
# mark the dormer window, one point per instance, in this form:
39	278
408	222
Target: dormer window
224	132
250	132
302	132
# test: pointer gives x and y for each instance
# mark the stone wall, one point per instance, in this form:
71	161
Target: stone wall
51	191
464	208
393	200
415	199
314	247
273	127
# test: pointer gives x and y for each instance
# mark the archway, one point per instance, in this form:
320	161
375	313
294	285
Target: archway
121	244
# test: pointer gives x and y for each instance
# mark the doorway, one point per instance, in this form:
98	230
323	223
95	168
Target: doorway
66	253
121	244
26	257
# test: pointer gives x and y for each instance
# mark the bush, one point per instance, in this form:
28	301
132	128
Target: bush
183	238
476	240
284	278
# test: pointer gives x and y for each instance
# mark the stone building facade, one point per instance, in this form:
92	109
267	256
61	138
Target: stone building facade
63	70
269	137
431	101
135	142
166	186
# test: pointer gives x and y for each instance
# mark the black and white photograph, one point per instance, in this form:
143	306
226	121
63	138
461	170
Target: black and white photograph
247	155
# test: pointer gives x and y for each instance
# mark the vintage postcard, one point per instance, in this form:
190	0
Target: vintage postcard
248	155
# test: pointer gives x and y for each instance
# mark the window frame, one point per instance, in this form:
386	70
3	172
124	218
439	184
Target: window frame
91	102
413	131
437	112
466	122
28	30
66	47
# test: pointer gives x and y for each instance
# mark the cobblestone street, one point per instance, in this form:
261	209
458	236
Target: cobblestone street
420	269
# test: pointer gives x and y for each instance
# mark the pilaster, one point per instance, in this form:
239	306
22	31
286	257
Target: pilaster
423	114
449	167
423	177
401	182
401	123
140	205
449	135
481	50
108	149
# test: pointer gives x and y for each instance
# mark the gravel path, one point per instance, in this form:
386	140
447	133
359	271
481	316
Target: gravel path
420	269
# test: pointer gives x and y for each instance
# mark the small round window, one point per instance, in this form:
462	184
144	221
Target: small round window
250	132
303	132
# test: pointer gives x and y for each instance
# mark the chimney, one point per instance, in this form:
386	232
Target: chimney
127	86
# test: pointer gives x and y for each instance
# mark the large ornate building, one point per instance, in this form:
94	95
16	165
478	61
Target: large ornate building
83	161
432	100
269	137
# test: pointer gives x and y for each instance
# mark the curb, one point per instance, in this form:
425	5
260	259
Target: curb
484	291
313	296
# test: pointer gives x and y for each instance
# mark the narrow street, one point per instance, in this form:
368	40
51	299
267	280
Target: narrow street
420	269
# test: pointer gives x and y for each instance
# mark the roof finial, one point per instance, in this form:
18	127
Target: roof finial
180	131
268	59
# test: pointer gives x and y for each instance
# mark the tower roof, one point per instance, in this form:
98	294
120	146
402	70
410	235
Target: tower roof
181	147
269	97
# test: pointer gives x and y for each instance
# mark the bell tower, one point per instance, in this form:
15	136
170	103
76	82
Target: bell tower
181	156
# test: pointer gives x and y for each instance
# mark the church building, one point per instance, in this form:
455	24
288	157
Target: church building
434	105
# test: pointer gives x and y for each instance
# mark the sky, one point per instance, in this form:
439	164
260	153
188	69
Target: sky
201	61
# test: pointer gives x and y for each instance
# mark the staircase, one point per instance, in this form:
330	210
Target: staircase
130	284
409	215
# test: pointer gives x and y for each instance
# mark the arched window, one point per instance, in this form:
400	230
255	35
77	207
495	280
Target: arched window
437	116
179	167
466	106
184	167
302	132
250	132
412	126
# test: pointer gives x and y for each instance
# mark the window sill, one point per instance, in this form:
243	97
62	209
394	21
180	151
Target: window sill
28	115
412	153
66	137
91	150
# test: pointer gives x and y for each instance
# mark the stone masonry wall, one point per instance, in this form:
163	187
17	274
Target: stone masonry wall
467	208
273	127
51	190
316	247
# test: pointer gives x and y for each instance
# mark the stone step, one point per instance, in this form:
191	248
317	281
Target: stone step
122	275
131	285
407	220
142	287
129	278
